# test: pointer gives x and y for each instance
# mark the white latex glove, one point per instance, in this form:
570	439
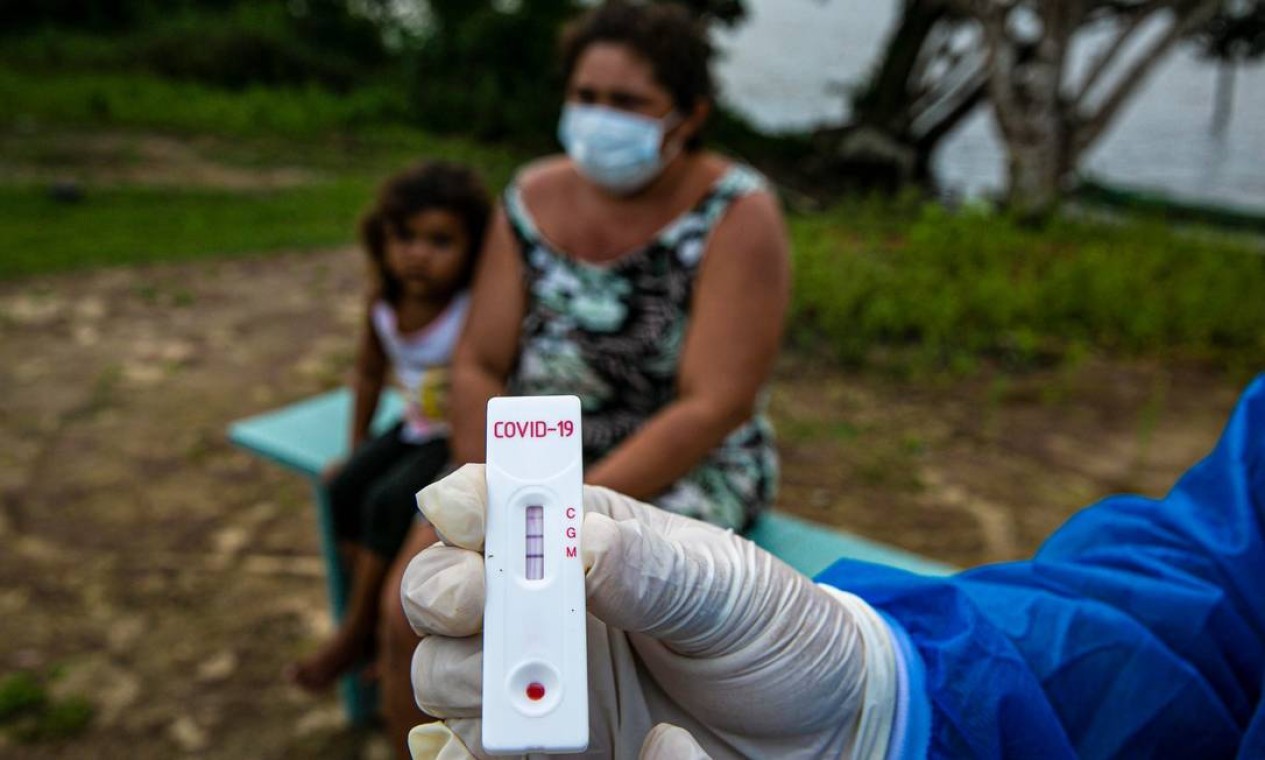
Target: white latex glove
688	624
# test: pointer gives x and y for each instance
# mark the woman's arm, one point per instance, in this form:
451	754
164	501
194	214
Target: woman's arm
736	322
485	354
370	375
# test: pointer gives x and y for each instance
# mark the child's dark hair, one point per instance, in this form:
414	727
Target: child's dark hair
428	185
672	42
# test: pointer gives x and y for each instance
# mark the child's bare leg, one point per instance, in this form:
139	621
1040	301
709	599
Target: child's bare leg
351	641
395	655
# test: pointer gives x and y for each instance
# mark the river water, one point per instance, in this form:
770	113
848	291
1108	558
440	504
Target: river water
789	65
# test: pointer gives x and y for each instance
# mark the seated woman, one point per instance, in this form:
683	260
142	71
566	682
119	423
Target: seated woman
640	272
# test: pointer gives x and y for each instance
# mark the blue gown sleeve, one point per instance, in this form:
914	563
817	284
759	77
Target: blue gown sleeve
1138	629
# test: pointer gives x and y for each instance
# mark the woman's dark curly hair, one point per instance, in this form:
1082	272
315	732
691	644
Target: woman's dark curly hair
429	185
667	36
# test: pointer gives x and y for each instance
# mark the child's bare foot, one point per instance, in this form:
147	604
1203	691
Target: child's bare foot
318	671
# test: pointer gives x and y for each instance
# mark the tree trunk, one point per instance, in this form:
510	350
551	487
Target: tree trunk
1035	120
1224	103
1046	124
1038	172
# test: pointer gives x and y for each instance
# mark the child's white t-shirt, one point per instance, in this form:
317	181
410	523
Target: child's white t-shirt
420	360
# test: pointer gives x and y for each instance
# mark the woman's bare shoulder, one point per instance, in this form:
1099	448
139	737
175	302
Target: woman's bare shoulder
547	174
547	185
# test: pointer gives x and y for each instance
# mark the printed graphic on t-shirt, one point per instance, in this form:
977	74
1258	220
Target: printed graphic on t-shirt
432	393
427	411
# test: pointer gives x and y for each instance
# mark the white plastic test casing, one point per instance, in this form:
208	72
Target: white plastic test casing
535	667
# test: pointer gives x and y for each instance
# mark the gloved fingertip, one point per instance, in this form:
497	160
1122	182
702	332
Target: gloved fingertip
433	741
668	742
457	506
600	534
442	592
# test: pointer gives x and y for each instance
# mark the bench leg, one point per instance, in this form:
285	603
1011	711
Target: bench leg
360	700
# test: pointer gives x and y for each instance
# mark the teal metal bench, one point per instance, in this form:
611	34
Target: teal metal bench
306	436
811	547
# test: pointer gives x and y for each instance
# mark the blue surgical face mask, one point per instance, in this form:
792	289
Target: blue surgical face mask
614	149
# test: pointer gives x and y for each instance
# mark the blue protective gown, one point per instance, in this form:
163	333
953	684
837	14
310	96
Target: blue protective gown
1138	629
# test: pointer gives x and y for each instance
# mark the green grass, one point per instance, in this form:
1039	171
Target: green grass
936	290
29	714
139	100
121	224
131	225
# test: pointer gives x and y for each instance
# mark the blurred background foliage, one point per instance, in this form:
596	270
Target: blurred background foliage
218	42
395	62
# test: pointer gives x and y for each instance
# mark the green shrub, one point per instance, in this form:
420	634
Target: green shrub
220	43
489	71
254	45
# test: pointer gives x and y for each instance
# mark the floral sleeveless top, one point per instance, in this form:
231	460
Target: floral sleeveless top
612	334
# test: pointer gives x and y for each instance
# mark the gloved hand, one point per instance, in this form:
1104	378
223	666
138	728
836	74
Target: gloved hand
688	624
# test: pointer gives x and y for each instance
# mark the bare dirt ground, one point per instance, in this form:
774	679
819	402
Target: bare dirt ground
168	577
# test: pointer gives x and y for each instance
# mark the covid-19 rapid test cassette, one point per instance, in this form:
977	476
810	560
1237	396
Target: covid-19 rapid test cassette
535	670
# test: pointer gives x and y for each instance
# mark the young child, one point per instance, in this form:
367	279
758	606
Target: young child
422	237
